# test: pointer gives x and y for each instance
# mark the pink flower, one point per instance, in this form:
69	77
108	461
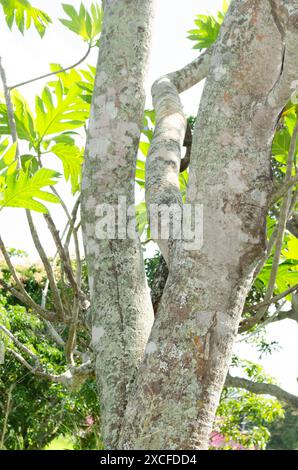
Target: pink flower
217	440
89	420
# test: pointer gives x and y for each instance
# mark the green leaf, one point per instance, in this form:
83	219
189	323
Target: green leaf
22	190
60	113
8	162
281	142
66	79
144	147
23	13
24	118
72	160
3	145
291	251
4	127
207	29
141	218
87	26
10	155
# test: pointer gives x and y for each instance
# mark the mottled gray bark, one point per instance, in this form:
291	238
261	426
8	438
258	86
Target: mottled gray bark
187	357
122	312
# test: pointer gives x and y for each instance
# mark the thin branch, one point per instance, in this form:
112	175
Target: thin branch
274	299
73	231
72	334
192	73
46	287
72	378
21	359
10	112
262	325
249	323
261	388
263	260
282	223
54	334
19	344
6	415
50	74
21	292
285	315
283	189
64	256
47	266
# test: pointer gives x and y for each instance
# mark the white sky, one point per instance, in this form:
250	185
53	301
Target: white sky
27	56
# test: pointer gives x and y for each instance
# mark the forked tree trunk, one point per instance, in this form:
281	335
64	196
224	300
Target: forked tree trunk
177	389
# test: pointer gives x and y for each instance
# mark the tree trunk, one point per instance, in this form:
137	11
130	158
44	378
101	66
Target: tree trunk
188	354
174	396
122	312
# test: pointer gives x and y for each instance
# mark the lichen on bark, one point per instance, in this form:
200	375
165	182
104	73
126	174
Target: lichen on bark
122	312
169	402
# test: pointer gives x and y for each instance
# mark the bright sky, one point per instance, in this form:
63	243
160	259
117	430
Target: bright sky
27	56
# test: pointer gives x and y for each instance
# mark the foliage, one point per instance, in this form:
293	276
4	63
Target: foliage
52	128
243	418
207	30
19	189
59	111
24	14
284	433
84	24
36	400
151	265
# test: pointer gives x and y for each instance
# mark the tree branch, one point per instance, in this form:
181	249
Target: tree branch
21	292
164	157
48	268
66	263
20	345
10	112
72	378
261	388
6	415
283	189
274	299
50	74
292	224
282	222
285	16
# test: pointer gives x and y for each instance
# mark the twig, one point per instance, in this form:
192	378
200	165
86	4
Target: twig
274	299
18	85
282	222
6	415
283	189
47	266
72	377
10	112
21	292
19	344
66	262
